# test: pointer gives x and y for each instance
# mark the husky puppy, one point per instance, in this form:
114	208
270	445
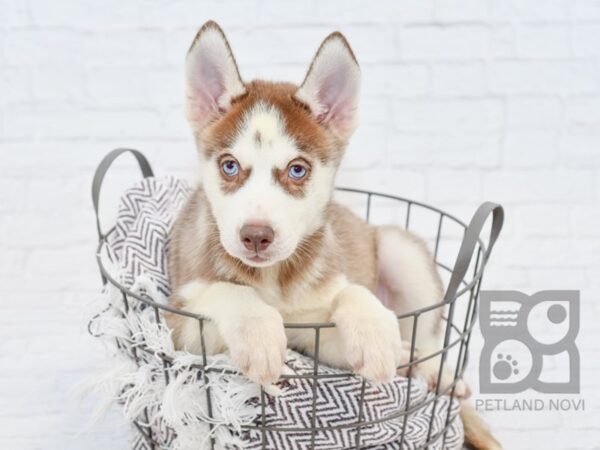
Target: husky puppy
261	242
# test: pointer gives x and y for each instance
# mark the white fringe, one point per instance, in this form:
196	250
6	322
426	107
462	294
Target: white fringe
182	402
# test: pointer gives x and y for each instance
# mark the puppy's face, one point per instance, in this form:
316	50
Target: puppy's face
267	188
269	151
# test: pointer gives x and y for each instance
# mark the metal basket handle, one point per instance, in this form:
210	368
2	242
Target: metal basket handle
470	240
101	173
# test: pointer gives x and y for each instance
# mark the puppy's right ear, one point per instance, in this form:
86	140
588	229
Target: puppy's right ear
212	76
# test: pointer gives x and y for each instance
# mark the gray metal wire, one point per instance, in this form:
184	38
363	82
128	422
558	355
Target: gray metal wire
456	332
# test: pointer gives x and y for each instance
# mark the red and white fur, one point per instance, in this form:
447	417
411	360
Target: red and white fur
261	242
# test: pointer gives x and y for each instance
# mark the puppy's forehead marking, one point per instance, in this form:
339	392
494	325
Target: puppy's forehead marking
266	123
263	139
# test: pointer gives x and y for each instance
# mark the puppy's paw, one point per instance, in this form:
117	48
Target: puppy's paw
430	371
373	346
257	346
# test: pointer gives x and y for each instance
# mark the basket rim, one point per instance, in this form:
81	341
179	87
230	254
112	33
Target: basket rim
461	336
106	274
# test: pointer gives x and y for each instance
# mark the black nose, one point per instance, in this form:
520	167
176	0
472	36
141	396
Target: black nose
257	237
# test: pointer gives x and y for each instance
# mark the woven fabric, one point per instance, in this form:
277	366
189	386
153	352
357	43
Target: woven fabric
141	237
139	248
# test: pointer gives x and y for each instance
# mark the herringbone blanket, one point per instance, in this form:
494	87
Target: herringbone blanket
168	402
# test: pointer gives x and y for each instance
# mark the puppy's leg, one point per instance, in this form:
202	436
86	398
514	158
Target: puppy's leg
368	333
408	280
241	323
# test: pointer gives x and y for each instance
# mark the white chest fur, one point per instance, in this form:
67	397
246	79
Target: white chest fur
302	302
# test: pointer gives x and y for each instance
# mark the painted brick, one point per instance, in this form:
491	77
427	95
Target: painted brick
451	116
531	148
461	10
584	38
543	41
531	77
396	81
534	112
459	79
539	186
451	42
530	10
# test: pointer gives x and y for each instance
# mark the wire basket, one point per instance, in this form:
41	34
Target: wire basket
460	254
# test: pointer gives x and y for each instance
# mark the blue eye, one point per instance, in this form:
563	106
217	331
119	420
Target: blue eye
297	172
230	168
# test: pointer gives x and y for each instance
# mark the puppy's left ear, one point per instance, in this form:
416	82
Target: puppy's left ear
331	86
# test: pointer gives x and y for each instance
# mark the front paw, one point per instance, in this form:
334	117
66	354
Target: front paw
257	346
373	346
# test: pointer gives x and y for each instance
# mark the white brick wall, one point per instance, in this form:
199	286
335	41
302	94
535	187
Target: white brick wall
463	101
